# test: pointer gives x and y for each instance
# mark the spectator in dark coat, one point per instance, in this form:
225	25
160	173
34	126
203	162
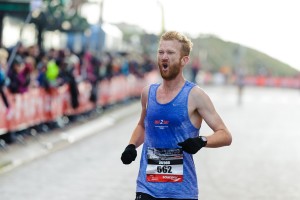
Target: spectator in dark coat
66	76
19	76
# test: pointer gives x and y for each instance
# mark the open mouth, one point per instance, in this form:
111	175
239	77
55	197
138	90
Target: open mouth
165	66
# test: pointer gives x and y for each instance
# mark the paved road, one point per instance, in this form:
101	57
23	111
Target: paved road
264	159
262	163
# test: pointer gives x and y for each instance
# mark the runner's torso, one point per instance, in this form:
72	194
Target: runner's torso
165	171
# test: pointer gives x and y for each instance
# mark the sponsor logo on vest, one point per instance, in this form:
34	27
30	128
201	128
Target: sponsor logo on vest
161	121
173	178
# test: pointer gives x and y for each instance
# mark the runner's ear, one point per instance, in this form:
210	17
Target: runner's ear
184	60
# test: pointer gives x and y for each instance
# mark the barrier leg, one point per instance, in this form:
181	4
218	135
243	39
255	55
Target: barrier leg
9	137
3	145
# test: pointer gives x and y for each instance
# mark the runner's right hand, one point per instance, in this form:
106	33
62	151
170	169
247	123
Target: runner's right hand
129	154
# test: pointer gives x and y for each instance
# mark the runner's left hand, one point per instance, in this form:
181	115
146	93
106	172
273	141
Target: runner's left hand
192	145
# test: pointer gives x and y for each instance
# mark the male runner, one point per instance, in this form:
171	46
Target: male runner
171	117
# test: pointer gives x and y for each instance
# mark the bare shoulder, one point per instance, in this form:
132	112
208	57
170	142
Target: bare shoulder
145	91
199	98
197	93
144	95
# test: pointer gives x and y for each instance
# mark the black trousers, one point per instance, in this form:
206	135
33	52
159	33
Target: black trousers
144	196
4	97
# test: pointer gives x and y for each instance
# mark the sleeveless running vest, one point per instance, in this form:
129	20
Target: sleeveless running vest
175	126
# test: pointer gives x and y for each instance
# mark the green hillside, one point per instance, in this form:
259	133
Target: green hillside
216	53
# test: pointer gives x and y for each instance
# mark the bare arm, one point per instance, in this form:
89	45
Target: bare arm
221	135
137	137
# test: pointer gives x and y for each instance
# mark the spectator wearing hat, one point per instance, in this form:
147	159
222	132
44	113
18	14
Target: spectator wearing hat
19	76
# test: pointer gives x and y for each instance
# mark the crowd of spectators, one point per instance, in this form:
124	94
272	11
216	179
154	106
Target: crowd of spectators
22	68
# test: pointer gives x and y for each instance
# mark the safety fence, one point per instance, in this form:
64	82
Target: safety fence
284	82
38	106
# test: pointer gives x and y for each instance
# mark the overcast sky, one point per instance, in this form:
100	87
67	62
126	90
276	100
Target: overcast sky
270	26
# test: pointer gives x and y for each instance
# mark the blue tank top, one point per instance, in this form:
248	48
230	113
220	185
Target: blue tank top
175	127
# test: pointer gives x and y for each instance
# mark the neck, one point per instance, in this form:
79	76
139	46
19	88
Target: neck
173	85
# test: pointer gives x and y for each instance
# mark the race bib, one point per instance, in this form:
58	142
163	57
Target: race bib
164	165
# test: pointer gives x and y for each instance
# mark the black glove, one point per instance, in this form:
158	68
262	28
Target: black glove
193	145
129	154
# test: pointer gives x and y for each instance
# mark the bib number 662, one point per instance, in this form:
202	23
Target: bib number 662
164	169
